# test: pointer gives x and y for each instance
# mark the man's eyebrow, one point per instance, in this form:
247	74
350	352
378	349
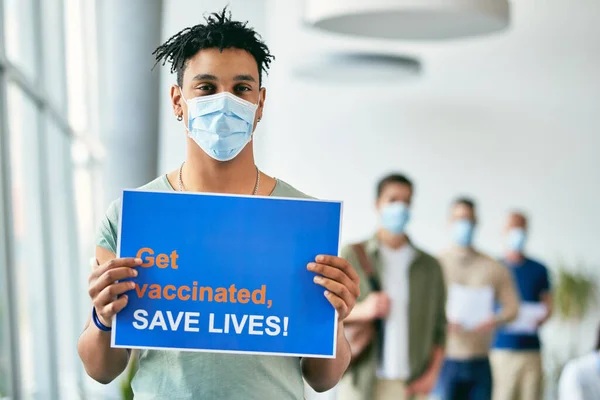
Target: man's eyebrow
249	78
205	77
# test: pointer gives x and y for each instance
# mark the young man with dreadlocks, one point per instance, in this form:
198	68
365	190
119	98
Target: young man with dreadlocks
220	99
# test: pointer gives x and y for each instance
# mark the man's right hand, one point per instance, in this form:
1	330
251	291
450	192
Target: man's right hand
104	288
377	305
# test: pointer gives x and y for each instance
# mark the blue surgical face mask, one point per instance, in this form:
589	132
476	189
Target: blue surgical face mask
221	124
462	232
394	217
516	239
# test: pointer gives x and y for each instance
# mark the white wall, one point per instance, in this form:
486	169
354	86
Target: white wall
500	122
512	120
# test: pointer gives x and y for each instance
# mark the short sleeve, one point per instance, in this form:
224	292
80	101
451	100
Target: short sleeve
544	280
106	235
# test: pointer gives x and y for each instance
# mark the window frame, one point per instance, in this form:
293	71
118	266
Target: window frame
50	110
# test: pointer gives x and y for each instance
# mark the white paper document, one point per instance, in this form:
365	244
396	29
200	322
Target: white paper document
469	306
529	315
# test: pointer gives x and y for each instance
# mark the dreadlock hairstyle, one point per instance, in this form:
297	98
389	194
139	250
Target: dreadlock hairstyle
218	31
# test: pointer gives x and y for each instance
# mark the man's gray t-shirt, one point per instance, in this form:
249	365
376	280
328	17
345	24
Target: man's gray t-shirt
180	375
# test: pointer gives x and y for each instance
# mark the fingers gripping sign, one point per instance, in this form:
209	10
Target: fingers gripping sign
106	290
339	279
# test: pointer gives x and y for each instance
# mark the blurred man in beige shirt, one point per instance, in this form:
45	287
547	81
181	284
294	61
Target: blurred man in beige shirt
475	283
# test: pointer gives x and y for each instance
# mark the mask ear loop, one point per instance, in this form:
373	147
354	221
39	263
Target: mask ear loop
255	125
186	103
182	96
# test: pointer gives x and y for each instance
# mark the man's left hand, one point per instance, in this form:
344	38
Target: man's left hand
423	385
341	281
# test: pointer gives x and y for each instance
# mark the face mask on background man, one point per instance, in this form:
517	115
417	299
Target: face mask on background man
516	239
462	232
394	217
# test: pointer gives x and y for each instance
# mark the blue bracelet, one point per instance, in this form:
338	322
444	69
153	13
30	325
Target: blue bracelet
97	322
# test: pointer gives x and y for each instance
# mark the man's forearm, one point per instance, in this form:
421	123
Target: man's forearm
102	362
546	298
437	359
509	311
507	315
425	383
360	313
509	300
323	374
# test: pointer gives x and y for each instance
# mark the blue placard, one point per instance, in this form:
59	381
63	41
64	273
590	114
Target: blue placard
227	274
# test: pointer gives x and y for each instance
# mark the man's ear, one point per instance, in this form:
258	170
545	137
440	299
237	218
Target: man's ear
262	96
176	101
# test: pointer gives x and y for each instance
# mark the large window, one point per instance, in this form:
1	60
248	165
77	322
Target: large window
48	159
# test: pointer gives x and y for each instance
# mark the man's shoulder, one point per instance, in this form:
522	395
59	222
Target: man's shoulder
422	256
350	248
538	265
499	272
450	258
430	265
475	256
284	189
455	252
159	184
443	258
492	262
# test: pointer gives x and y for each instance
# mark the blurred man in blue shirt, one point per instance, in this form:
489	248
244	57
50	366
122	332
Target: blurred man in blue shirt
516	360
